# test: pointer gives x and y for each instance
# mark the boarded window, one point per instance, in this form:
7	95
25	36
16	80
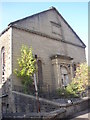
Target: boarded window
56	28
40	77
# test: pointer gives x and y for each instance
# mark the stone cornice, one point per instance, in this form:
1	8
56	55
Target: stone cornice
41	34
45	35
61	57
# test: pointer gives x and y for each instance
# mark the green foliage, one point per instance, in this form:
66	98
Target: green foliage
72	89
89	76
66	92
27	67
78	84
80	81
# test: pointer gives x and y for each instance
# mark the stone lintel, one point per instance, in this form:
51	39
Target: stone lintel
61	56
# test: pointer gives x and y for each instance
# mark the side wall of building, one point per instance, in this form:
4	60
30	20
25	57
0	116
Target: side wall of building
6	85
44	48
5	41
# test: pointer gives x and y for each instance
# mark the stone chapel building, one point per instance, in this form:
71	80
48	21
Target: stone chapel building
57	46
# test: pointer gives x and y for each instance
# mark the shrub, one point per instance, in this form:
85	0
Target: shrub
80	82
26	67
78	85
66	92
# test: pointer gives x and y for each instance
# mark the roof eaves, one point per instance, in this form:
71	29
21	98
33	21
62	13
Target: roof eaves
4	30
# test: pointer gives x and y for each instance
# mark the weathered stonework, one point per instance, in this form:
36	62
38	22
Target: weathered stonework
0	103
54	42
5	40
26	108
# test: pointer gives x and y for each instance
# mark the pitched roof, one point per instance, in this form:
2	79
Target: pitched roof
51	8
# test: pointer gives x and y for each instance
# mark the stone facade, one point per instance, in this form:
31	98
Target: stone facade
55	38
54	42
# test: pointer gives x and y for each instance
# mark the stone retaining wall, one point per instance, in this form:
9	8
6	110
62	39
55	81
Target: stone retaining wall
0	103
28	103
26	107
75	107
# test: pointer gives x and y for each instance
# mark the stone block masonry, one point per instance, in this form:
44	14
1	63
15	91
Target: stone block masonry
26	107
0	103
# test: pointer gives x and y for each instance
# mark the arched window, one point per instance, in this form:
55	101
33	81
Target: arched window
74	69
40	77
3	63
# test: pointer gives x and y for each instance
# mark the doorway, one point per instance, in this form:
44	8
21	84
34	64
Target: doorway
64	77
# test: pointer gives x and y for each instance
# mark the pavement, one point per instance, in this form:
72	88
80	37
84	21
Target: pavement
83	115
